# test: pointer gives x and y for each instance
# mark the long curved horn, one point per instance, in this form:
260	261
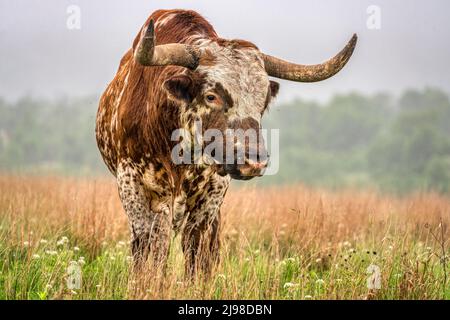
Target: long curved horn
147	54
309	73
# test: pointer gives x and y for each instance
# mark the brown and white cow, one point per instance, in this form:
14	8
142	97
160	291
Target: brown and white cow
178	72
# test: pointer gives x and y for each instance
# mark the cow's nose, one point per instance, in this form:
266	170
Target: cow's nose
257	165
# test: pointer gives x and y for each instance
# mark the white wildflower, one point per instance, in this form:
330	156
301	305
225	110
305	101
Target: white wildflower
62	241
320	282
36	256
221	276
288	285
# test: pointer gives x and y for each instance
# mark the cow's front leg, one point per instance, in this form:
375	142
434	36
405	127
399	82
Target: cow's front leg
149	219
201	245
201	234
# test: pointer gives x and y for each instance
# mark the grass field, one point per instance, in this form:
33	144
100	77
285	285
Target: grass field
278	243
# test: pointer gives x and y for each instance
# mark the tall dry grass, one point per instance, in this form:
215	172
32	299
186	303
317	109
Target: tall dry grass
278	243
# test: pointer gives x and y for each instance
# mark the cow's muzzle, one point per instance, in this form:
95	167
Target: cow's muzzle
247	168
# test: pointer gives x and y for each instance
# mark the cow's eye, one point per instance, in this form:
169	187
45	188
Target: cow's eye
210	98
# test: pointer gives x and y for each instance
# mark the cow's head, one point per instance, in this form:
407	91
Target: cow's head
226	87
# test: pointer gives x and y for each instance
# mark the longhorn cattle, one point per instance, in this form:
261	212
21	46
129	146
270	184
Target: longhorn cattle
179	72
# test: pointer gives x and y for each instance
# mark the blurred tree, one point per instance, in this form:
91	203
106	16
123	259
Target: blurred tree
400	145
409	154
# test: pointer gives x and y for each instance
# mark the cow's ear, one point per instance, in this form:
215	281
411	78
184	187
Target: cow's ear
180	87
274	88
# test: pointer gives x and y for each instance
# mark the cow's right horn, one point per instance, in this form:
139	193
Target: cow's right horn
147	54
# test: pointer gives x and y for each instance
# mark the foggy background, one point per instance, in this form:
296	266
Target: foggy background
40	56
334	133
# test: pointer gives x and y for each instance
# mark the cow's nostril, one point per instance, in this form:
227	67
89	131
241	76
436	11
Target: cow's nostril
257	164
263	165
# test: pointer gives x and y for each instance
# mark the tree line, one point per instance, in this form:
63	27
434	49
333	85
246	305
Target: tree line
398	144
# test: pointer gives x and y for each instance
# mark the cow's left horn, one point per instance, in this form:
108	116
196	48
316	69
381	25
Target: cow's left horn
147	54
309	73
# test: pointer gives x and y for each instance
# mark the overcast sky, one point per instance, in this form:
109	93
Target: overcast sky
40	56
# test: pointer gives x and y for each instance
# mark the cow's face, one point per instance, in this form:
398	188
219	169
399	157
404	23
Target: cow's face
227	94
229	88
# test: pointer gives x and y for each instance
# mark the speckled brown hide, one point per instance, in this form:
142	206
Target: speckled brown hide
180	75
137	114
